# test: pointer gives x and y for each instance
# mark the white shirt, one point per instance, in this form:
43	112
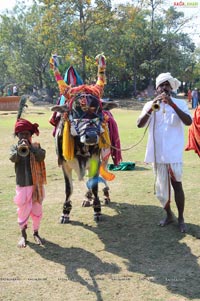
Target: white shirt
14	89
166	133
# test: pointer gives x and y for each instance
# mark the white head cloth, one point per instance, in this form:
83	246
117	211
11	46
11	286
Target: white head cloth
163	77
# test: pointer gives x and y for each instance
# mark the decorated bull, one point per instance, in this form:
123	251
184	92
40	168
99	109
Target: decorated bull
85	135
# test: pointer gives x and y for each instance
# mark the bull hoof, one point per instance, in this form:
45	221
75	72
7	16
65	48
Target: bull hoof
64	219
86	203
98	217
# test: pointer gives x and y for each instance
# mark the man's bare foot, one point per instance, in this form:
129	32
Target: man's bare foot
23	240
38	239
182	226
166	221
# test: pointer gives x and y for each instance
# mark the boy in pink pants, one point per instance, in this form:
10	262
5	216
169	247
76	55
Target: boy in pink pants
30	178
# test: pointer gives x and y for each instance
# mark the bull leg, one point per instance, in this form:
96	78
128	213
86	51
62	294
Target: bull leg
64	219
88	199
96	204
106	195
96	200
67	206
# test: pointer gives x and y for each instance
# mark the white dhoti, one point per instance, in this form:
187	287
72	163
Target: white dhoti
163	175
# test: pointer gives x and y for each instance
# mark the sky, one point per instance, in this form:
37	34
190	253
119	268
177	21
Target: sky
10	3
192	28
191	10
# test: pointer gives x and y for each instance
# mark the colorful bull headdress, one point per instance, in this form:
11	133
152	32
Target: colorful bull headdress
89	101
83	99
68	90
72	77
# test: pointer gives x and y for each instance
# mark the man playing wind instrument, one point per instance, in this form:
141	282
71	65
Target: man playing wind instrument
30	170
165	117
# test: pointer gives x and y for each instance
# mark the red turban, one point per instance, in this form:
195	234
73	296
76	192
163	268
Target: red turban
22	125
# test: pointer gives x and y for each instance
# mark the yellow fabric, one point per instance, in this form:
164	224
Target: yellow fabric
101	76
100	82
62	86
68	142
104	139
104	142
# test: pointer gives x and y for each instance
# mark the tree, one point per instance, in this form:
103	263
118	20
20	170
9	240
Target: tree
75	19
138	42
26	55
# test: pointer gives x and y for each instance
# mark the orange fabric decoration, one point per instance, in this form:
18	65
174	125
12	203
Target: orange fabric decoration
108	176
194	133
38	171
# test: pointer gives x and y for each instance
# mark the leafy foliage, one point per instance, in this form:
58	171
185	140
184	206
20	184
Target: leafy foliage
138	42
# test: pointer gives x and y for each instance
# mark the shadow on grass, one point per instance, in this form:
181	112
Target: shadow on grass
74	259
159	254
140	168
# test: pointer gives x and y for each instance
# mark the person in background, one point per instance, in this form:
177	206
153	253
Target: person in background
28	158
194	98
189	95
9	91
165	117
198	96
15	90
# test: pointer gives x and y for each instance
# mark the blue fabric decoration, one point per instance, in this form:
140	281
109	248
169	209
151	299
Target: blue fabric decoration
71	72
94	181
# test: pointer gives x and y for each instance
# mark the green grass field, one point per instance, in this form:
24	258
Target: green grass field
126	257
